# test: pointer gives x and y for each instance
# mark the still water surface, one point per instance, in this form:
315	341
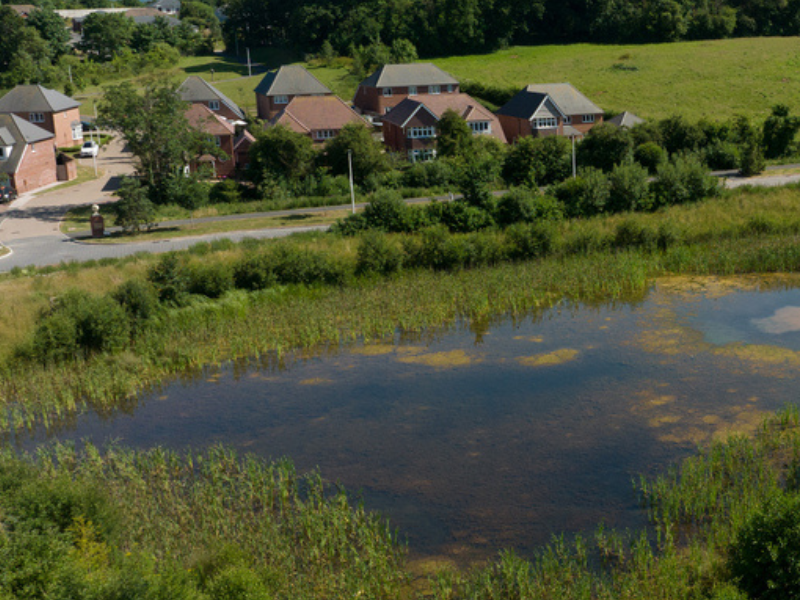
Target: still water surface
472	442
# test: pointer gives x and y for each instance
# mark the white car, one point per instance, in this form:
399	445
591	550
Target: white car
89	149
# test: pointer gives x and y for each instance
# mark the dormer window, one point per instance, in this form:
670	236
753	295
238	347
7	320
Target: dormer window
213	104
480	127
5	152
281	99
36	118
387	92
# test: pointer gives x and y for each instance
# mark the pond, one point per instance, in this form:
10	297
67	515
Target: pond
473	440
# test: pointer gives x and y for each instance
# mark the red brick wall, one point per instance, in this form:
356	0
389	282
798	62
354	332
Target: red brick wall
371	100
266	107
37	168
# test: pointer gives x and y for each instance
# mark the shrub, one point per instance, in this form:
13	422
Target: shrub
255	272
765	558
227	191
684	179
295	265
460	217
585	195
530	240
435	249
779	131
540	161
134	209
434	173
168	276
55	339
388	212
605	146
650	155
524	205
238	583
377	254
350	225
209	279
139	300
632	233
629	189
721	155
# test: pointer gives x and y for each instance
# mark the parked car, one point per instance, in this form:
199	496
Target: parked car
7	193
89	149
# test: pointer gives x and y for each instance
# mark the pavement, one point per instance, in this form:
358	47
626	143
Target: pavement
30	226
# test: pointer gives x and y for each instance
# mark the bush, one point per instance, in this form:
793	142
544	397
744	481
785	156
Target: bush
530	240
209	279
139	300
168	276
629	189
684	179
539	161
227	191
524	205
721	155
377	254
350	225
765	558
388	212
460	217
631	233
238	583
605	146
255	272
585	195
295	265
435	249
650	155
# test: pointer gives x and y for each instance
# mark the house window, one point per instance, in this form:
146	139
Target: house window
449	89
434	89
412	90
281	99
567	120
33	147
36	118
77	131
324	134
213	104
387	92
5	152
421	133
421	155
588	118
480	127
217	141
545	123
386	109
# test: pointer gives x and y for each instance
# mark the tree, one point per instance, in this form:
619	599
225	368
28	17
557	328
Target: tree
155	129
280	153
52	29
11	31
453	135
605	146
367	154
779	132
629	188
586	195
133	210
105	33
538	161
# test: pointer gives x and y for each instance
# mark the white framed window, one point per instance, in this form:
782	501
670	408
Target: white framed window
213	104
412	90
217	141
449	89
281	99
545	123
480	127
36	118
387	92
33	147
77	132
386	109
421	133
588	118
567	120
434	89
421	155
5	152
324	134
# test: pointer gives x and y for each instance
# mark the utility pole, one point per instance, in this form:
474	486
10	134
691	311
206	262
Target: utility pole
350	168
574	165
249	66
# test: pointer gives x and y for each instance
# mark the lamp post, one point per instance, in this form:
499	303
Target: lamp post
574	167
350	169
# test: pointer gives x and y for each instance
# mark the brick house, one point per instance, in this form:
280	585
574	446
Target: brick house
281	86
549	109
27	154
410	127
319	117
391	84
198	91
222	132
48	109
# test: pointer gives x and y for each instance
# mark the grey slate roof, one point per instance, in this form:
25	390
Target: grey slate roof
19	133
569	100
197	89
291	80
35	98
625	119
409	74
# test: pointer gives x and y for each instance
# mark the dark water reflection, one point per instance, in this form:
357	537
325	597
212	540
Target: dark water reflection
471	443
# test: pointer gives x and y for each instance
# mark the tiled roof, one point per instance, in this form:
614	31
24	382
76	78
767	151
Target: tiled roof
291	80
625	119
197	89
467	107
35	98
18	133
203	118
313	113
409	74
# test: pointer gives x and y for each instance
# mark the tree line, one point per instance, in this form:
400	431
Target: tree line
449	27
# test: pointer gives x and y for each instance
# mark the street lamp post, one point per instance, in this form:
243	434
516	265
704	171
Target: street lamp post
350	169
